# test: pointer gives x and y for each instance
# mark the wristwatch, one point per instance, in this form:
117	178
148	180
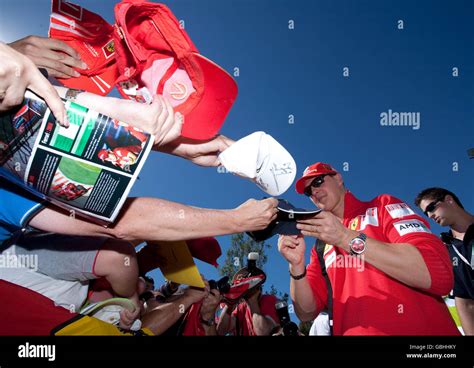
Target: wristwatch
358	244
209	322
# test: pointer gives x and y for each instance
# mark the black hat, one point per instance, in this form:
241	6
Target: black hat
285	223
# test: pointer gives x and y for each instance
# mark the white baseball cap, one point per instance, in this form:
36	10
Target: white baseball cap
260	158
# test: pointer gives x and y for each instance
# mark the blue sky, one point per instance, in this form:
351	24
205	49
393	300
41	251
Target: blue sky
299	72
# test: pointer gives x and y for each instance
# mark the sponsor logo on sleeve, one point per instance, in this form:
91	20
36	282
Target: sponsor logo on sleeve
411	226
399	210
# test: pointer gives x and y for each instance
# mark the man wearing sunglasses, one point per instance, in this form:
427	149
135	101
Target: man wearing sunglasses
387	271
445	208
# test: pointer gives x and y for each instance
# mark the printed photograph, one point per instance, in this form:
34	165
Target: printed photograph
73	181
121	146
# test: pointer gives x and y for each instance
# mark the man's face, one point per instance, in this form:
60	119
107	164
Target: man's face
438	210
328	194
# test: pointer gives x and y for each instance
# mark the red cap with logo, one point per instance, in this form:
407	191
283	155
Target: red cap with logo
319	168
92	37
155	52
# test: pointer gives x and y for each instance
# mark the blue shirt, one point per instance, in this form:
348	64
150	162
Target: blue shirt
17	207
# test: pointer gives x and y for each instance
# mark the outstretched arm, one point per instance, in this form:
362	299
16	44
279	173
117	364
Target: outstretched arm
157	219
202	153
157	118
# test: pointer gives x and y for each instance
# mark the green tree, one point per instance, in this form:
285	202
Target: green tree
282	296
236	256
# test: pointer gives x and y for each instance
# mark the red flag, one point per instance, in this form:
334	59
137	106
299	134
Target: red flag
25	312
205	249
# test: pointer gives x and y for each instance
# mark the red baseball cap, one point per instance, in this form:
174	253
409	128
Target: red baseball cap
243	287
319	168
153	51
92	37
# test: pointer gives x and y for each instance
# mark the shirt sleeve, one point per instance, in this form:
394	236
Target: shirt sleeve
402	225
17	207
317	282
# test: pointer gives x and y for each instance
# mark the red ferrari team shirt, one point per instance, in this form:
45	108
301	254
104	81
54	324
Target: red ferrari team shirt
366	301
244	316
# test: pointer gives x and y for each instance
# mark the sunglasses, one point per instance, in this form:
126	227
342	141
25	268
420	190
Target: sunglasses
431	207
316	183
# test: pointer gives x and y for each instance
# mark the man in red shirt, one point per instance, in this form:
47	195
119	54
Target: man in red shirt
386	269
254	313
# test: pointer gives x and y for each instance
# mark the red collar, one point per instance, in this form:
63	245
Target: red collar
352	205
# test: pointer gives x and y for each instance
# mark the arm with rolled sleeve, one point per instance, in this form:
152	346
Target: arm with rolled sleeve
410	253
429	255
400	244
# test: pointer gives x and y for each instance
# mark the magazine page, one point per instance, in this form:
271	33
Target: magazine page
88	168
